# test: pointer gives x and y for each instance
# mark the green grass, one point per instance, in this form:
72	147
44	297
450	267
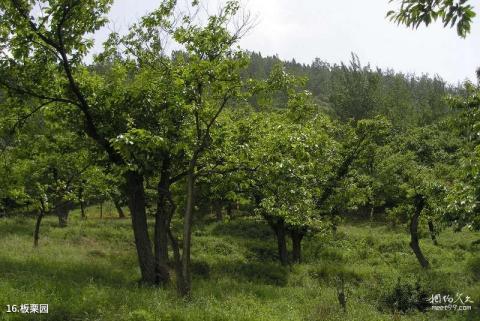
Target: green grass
88	271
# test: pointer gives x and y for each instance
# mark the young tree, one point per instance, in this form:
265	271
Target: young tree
135	97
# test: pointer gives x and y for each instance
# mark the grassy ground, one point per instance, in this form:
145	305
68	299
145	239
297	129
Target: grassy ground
88	271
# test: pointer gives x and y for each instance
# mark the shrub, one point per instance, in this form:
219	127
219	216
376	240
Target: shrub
269	273
404	296
330	271
201	269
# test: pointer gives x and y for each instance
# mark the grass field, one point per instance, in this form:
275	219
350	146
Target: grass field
88	271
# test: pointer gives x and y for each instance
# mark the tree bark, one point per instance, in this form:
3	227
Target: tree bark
278	226
161	226
136	203
297	237
433	233
414	242
187	234
82	210
120	212
36	233
82	203
229	209
217	205
62	208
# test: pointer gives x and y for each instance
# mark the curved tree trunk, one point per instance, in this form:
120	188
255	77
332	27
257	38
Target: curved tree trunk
136	203
121	213
414	241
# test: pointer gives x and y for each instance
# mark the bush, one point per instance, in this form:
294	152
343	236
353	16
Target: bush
404	296
201	269
330	271
269	273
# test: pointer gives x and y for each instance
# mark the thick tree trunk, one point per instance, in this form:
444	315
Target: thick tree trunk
161	226
414	242
187	235
136	203
120	212
297	237
433	233
278	226
62	209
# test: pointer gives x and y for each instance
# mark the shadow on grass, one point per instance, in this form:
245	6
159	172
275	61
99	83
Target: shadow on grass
62	274
243	228
259	272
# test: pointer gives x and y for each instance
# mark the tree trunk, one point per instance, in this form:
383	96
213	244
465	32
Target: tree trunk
136	203
414	242
181	283
297	237
229	209
278	226
161	226
82	203
82	210
120	212
217	205
433	233
187	234
101	209
62	209
36	233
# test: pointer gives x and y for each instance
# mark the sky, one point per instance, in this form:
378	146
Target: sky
331	30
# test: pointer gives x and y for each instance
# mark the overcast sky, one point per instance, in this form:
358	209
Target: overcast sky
332	29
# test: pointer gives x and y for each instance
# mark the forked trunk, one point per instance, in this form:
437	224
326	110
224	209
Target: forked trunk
136	202
414	242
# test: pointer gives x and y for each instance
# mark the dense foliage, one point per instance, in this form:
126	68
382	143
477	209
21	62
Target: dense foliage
176	135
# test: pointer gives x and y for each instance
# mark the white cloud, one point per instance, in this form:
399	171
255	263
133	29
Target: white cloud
331	30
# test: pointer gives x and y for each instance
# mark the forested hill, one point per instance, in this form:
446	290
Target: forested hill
353	90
